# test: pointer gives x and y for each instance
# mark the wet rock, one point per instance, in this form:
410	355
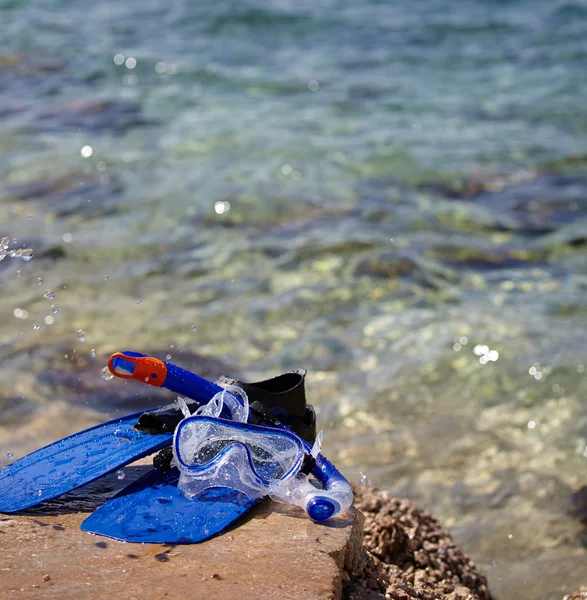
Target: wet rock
410	556
275	551
74	193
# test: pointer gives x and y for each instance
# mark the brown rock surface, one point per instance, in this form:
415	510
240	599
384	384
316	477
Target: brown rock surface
275	553
409	556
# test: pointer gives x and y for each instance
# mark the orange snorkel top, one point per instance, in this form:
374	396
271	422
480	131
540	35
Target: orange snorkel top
140	368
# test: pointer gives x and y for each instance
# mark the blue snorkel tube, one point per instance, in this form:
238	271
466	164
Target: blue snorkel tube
320	504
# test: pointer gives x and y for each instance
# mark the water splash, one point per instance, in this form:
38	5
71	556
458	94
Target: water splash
24	253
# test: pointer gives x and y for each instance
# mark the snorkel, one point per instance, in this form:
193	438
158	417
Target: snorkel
320	504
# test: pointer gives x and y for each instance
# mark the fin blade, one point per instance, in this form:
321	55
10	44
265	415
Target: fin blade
74	461
154	510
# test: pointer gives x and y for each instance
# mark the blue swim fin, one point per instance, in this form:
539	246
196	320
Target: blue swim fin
154	510
74	461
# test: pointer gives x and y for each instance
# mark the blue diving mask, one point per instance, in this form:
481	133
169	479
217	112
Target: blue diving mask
253	459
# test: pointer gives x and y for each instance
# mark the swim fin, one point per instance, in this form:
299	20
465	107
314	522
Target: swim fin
74	461
88	455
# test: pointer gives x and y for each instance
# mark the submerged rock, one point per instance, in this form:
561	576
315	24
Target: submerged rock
95	116
525	202
578	505
394	265
31	64
75	193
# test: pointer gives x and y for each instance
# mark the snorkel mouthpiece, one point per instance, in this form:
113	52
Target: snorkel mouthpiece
320	508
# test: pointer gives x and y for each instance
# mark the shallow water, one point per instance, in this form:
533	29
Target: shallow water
369	190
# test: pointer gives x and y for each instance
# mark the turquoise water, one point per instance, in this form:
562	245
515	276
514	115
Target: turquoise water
393	195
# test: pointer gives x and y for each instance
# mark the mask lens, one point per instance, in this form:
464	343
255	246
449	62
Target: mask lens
272	454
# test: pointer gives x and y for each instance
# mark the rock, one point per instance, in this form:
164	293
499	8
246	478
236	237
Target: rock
409	555
275	552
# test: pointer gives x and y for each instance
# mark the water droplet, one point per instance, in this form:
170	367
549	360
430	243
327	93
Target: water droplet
49	295
120	474
36	327
172	345
221	207
39	492
49	320
194	328
40	281
10	454
93	353
18	273
81	335
168	357
139	301
54	309
105	277
106	374
363	478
